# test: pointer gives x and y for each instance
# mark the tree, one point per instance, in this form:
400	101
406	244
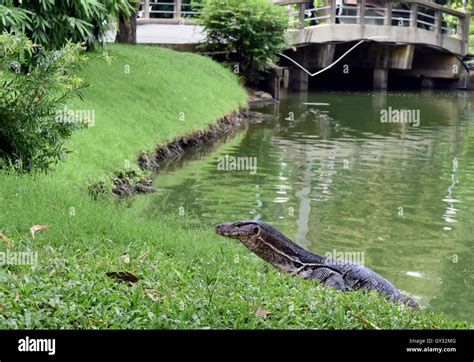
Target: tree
34	87
127	29
250	31
52	23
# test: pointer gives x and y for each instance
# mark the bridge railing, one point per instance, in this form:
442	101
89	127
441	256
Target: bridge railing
303	13
169	11
406	13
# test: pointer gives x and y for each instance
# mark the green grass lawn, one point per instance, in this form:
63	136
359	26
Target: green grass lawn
189	277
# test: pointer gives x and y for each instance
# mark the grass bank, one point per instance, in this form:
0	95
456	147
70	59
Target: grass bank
189	277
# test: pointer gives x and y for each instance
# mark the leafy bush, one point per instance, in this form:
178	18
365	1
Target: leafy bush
52	23
252	31
34	86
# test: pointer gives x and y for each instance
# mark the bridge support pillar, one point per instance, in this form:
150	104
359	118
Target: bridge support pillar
427	83
324	56
380	78
465	80
312	57
299	79
402	57
276	80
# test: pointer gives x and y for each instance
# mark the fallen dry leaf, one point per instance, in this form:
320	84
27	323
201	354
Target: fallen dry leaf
123	276
125	258
2	308
3	237
262	312
142	256
17	296
36	228
152	296
9	243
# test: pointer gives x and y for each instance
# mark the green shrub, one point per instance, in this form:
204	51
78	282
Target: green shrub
34	87
51	23
251	31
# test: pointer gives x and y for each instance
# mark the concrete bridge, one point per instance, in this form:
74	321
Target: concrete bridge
416	39
404	38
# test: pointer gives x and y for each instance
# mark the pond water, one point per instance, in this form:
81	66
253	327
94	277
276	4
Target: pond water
326	170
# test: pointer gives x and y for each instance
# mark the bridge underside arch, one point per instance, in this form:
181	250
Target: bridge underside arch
416	55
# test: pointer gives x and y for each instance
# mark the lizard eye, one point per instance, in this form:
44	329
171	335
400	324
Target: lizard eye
256	230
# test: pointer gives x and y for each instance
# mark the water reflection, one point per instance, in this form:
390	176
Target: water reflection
332	176
450	213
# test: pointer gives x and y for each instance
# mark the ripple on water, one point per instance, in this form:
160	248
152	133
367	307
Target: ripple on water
387	191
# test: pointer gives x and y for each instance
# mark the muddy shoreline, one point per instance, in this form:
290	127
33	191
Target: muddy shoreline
128	183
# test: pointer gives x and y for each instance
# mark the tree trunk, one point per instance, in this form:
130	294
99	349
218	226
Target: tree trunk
127	31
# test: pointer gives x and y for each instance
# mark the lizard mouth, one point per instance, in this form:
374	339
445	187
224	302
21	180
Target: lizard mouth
232	230
223	229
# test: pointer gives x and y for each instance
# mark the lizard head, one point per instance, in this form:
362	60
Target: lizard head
245	231
265	241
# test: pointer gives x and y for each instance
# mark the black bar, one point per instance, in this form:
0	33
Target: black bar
251	345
